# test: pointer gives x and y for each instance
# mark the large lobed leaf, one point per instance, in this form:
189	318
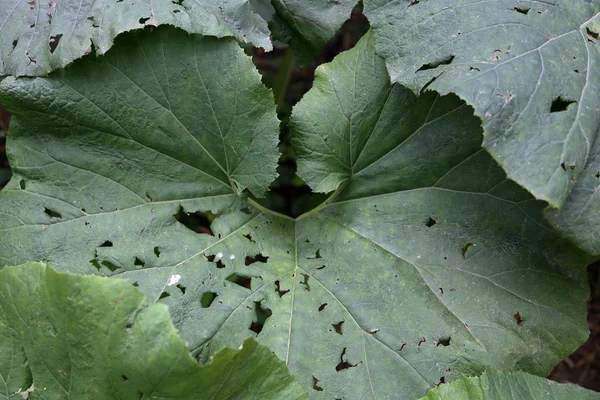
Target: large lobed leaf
530	71
39	36
426	263
84	337
492	385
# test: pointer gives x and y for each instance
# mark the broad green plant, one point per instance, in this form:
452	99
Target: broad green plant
459	167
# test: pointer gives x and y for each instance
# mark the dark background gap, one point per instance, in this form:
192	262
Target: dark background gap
290	195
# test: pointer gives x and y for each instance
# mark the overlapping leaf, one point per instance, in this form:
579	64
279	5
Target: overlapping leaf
88	337
494	384
427	263
307	25
38	36
529	69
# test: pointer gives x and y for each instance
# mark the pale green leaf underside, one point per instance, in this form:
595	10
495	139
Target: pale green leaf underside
530	71
39	36
500	385
94	338
413	272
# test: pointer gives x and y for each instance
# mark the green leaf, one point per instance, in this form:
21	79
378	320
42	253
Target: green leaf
529	70
39	36
426	263
95	338
494	384
307	25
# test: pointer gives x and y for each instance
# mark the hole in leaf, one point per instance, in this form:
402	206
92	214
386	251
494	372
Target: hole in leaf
338	327
135	284
401	347
317	255
249	237
22	184
124	378
112	267
279	291
321	267
442	381
430	222
176	11
305	282
198	222
423	340
246	210
592	36
322	307
316	385
466	248
240	280
178	2
156	251
54	40
598	174
220	264
520	10
517	316
181	288
576	71
139	263
444	342
143	20
471	68
560	104
15	43
343	363
257	258
210	257
441	290
107	243
207	299
262	314
96	264
51	213
434	64
164	295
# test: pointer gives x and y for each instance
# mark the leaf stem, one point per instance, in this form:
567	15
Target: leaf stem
284	76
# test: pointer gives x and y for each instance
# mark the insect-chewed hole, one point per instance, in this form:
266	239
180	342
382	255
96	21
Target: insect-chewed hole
22	184
430	222
54	41
156	251
338	327
240	280
138	263
262	314
344	364
322	307
198	221
560	104
280	292
164	295
521	10
52	213
316	385
434	64
207	299
444	341
106	243
257	258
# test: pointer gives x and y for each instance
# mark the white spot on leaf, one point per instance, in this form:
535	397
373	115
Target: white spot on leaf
174	279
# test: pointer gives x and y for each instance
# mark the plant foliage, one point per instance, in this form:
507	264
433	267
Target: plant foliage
69	336
449	241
